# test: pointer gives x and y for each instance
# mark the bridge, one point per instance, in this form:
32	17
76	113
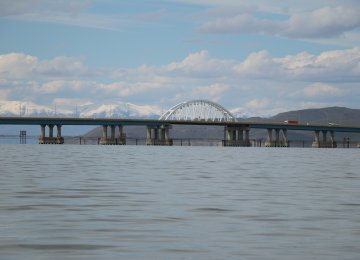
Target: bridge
195	112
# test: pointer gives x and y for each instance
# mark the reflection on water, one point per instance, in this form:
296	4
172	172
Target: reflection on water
139	202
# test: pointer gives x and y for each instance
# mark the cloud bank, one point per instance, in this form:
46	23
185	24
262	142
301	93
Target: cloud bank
253	84
319	23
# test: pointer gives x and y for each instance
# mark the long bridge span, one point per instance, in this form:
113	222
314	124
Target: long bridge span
197	112
158	131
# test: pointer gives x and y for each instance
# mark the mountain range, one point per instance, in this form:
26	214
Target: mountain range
112	110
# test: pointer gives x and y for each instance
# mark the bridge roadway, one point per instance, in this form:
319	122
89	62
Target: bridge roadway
236	133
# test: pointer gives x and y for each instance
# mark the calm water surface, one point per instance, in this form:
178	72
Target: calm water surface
139	202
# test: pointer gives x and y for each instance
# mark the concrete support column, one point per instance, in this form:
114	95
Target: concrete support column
270	135
169	141
162	135
43	131
241	135
316	142
228	134
332	140
122	136
234	132
104	131
51	131
324	141
112	133
58	129
277	137
317	136
231	136
156	135
269	140
285	138
247	137
60	139
148	133
121	130
104	138
167	134
42	136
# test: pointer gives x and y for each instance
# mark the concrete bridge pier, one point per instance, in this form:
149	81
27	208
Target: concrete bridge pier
104	138
42	134
234	136
121	140
112	134
285	141
60	139
317	143
333	143
240	136
278	142
324	141
153	138
43	139
165	133
112	140
269	141
247	137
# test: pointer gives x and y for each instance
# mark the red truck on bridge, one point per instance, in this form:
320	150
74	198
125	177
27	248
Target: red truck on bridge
291	122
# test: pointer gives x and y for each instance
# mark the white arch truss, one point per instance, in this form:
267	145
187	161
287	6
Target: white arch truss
198	110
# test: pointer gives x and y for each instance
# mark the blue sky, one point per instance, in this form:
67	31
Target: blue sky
253	57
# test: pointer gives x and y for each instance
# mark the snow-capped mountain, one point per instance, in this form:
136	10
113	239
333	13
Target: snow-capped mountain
27	108
120	110
113	110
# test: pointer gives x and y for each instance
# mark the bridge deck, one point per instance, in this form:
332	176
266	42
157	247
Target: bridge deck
155	122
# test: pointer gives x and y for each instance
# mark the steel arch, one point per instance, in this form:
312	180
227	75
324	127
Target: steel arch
198	110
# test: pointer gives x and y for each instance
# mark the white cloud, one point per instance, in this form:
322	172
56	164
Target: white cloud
320	89
258	64
62	66
320	23
124	89
250	83
19	65
49	87
257	104
329	66
67	86
212	92
10	8
346	40
199	64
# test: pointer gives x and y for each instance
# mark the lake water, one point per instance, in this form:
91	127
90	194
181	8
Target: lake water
141	202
